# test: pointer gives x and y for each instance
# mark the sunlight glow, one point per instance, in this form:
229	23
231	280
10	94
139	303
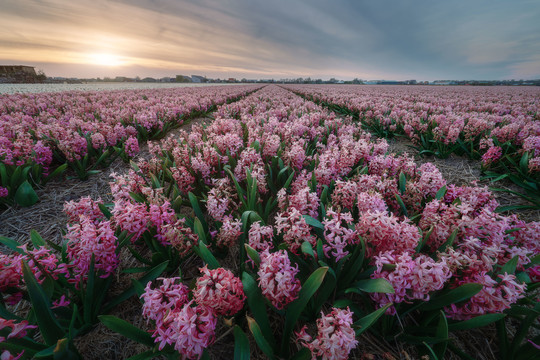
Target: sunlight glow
105	59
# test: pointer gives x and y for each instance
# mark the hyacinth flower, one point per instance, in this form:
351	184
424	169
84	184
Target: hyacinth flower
220	291
335	336
182	325
277	278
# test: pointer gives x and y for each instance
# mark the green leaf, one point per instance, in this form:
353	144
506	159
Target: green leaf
3	175
523	330
25	195
88	301
206	255
149	276
252	195
367	321
294	310
448	243
259	338
510	266
464	292
241	345
440	194
433	354
289	181
476	322
197	210
379	285
36	239
126	329
256	303
424	240
524	163
16	177
307	249
401	205
58	171
105	210
402	183
303	354
199	230
49	327
137	197
12	244
442	333
324	195
253	254
313	222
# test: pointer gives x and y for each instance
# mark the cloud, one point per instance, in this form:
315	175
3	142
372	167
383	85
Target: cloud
254	38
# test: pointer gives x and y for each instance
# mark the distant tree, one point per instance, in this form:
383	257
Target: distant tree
41	77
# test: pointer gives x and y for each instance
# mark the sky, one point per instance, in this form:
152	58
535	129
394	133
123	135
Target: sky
262	39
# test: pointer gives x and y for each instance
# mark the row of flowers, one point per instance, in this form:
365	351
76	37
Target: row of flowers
41	134
330	234
498	125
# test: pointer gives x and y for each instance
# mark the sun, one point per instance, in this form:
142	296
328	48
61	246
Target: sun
105	59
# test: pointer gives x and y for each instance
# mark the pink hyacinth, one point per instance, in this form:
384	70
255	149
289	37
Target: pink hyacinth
277	278
384	232
161	215
18	330
183	178
335	336
190	330
6	355
219	290
84	206
493	154
221	199
180	236
87	240
294	228
44	263
132	146
3	192
229	232
62	302
370	201
337	233
495	297
130	217
169	296
10	277
260	237
412	279
305	201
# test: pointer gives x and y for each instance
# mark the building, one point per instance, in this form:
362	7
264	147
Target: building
198	79
18	74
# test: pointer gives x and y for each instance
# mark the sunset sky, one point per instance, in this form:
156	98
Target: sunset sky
423	40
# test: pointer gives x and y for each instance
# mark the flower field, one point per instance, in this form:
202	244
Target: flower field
281	226
499	126
42	134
